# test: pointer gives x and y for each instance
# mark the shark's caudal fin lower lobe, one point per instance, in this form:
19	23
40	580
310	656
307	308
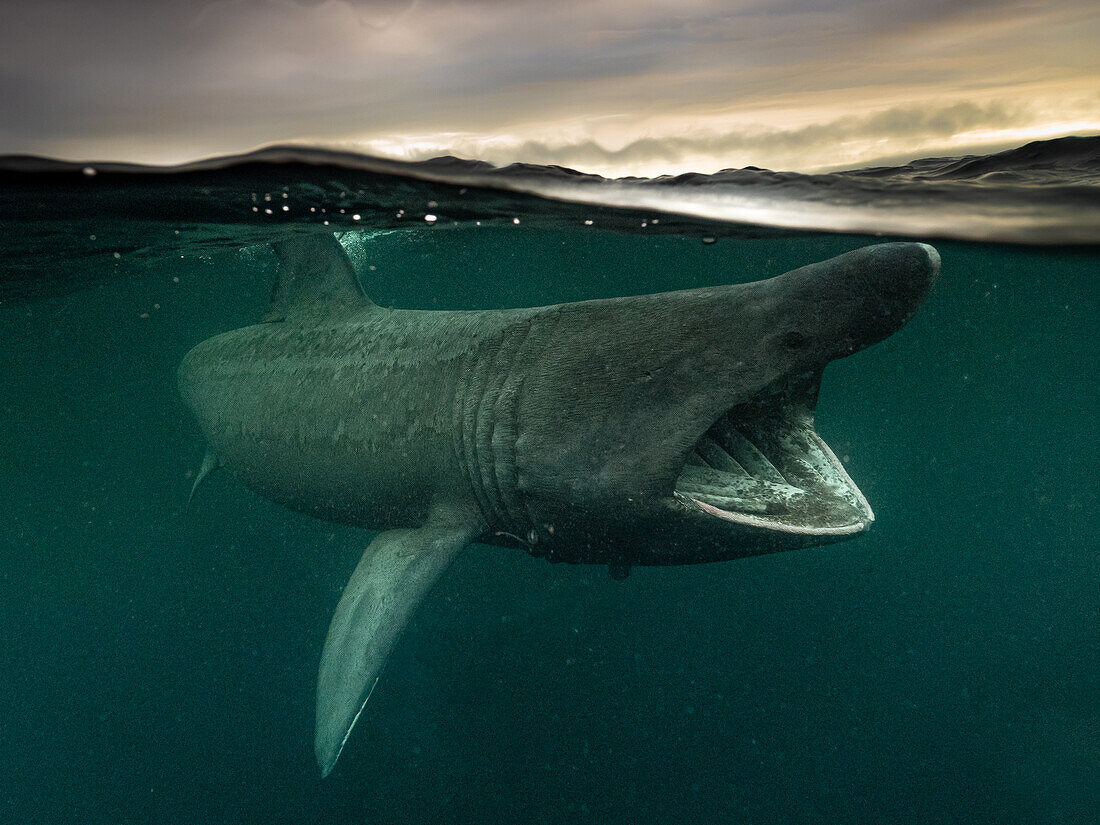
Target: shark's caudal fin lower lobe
390	580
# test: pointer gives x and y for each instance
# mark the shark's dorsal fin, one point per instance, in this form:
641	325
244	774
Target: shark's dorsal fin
396	570
315	280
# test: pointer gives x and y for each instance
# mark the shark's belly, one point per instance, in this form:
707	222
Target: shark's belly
334	480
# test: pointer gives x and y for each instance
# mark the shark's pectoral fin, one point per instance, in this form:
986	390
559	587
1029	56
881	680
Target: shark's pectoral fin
395	572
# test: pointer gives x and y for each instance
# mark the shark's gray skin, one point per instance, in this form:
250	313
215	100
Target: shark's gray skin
652	430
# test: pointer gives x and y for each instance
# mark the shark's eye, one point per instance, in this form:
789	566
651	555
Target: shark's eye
794	340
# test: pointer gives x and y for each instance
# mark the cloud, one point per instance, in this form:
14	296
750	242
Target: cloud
622	81
894	134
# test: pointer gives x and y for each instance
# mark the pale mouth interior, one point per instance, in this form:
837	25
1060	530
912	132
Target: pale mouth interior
762	465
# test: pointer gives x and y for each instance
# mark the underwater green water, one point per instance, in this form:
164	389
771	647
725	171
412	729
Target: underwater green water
158	663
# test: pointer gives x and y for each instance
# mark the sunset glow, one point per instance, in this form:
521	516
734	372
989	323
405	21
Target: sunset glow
643	88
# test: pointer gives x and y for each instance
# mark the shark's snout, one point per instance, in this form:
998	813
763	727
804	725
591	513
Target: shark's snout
885	284
840	306
895	280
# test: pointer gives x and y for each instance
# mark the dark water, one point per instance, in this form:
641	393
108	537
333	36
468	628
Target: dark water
158	664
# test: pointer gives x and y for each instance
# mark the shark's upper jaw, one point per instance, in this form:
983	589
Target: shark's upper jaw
761	465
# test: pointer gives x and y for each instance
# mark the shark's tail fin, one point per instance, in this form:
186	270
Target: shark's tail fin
315	280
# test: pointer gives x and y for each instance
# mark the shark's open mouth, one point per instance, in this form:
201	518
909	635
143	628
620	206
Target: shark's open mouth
762	465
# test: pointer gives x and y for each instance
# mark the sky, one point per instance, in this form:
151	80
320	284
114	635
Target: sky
618	87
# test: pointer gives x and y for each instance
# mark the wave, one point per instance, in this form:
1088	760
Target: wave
1047	192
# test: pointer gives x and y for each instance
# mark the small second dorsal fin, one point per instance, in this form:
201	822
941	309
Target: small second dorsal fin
315	280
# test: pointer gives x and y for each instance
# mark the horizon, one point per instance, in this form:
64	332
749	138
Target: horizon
94	166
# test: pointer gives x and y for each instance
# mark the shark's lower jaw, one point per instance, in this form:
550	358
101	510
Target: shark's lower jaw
762	465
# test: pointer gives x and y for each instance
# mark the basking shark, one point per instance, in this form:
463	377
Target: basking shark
663	429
